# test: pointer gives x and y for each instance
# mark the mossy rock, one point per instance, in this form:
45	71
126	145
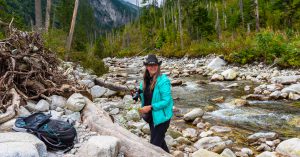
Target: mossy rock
296	104
295	122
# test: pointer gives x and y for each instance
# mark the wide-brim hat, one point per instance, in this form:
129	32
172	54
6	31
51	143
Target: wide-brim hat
152	60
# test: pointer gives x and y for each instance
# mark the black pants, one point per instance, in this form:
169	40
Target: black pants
158	135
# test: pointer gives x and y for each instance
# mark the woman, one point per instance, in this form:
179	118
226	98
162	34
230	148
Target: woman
157	101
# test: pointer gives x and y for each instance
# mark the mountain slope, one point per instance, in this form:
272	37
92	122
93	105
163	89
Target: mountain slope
113	13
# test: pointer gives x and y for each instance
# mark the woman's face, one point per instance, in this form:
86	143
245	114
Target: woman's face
152	69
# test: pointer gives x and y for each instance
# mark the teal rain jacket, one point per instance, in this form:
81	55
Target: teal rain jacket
162	101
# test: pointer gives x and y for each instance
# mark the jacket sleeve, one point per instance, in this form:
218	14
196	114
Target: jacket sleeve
165	91
141	94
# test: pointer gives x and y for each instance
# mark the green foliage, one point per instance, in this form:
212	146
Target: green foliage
157	30
243	57
89	62
161	40
55	40
2	36
270	45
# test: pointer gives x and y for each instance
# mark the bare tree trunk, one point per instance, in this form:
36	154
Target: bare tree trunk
224	14
54	14
175	23
70	37
248	28
218	26
180	25
48	10
133	146
38	15
32	24
164	15
11	110
242	12
256	15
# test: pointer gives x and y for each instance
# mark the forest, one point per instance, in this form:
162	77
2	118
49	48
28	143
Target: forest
242	31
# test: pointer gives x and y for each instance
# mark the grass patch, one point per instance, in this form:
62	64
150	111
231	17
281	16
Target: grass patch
55	40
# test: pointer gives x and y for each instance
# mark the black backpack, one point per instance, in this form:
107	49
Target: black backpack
56	134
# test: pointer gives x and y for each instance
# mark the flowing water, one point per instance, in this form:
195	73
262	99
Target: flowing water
282	117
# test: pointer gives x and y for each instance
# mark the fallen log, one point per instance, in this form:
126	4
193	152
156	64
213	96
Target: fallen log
111	86
11	110
98	120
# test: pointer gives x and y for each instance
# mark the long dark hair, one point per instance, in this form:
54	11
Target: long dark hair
154	79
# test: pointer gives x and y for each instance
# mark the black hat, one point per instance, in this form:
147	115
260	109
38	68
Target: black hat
151	59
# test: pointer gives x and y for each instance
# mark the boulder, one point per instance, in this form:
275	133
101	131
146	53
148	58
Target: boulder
42	106
23	111
170	141
266	135
127	99
227	153
274	87
173	133
146	129
214	143
87	83
114	111
57	101
263	147
275	95
220	129
136	125
290	147
176	82
18	149
7	126
178	154
30	106
216	63
74	116
192	115
100	146
218	100
257	97
232	85
97	91
239	102
229	74
247	151
205	153
205	133
247	88
293	96
182	140
269	154
55	114
75	102
19	143
133	115
285	79
295	88
189	133
110	93
217	77
201	125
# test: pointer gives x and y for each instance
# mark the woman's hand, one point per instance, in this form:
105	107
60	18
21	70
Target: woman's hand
145	109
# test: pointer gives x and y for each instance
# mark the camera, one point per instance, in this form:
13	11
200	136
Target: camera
136	94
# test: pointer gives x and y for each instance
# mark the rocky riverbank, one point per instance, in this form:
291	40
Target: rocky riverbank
272	84
198	137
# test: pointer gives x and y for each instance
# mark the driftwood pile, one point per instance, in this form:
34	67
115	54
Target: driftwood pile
30	71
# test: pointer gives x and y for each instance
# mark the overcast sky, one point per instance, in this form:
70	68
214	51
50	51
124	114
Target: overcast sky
134	1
